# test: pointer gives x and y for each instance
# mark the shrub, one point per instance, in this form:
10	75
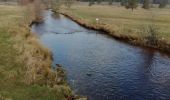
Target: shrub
146	4
132	4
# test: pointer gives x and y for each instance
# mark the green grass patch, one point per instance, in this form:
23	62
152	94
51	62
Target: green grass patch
124	21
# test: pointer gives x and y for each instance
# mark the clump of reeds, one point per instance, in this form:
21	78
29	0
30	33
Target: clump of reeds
149	35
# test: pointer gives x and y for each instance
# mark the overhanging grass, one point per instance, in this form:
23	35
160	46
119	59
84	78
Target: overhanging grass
15	42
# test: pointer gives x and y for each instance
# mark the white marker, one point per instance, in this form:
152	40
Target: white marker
97	20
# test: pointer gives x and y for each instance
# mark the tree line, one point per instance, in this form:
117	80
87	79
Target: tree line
131	3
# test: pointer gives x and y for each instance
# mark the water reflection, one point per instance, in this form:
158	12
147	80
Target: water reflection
103	68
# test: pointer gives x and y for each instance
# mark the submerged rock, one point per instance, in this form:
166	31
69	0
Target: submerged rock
89	74
58	65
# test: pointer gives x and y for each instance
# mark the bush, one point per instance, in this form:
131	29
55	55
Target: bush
132	4
91	2
123	3
146	4
163	3
69	3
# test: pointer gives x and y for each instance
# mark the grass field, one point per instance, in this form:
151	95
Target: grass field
15	44
124	21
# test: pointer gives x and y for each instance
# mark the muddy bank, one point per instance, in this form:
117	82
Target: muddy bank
160	45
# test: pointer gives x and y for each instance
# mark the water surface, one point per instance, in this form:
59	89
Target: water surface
101	67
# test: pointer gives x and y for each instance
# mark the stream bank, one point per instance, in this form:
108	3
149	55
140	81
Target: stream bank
25	64
101	67
160	44
55	76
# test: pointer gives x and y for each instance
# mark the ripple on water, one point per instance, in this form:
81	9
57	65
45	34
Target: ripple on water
103	68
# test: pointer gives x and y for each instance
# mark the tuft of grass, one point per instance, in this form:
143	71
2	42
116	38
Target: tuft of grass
150	35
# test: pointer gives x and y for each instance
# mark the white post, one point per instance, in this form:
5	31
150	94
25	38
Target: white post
97	20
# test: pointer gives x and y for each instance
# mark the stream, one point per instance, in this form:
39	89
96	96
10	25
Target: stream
101	67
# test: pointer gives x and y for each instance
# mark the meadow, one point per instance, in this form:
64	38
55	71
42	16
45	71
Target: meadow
125	21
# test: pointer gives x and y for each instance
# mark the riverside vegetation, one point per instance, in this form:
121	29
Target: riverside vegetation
149	28
25	65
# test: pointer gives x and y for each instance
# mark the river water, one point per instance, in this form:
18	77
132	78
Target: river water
101	67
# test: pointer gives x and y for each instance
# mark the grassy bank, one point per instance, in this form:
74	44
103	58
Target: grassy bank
25	65
124	24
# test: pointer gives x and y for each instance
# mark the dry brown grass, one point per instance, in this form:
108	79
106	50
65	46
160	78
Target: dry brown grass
25	64
37	59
